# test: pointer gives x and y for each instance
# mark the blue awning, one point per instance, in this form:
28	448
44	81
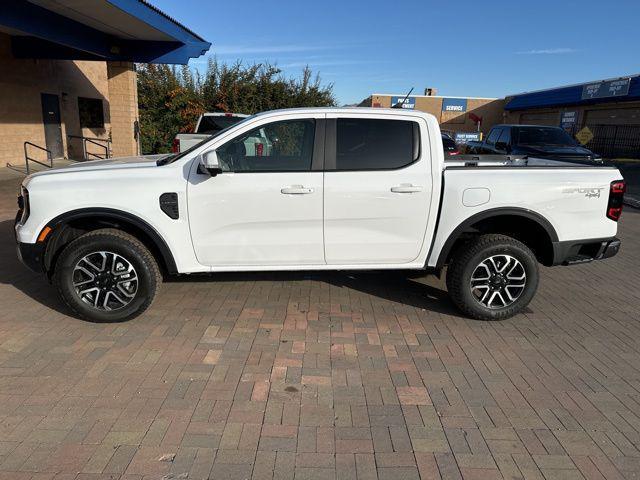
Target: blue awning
115	30
569	96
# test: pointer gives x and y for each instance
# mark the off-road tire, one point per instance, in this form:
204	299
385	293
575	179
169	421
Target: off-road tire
470	255
123	244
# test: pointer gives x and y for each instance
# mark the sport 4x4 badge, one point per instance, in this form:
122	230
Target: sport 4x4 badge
589	192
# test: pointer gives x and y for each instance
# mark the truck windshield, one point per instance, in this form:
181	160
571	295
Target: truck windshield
543	136
178	156
211	124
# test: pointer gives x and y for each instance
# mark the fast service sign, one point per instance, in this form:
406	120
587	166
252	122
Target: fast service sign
610	88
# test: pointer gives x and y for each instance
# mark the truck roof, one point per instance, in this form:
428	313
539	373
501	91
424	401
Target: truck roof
224	114
353	110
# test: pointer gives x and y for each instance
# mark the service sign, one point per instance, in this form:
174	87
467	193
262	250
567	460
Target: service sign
454	105
568	119
611	88
464	137
409	102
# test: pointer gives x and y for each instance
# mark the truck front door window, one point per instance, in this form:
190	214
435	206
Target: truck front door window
505	137
276	147
493	136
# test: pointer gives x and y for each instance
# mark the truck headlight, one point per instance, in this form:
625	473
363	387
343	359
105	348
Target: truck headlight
23	204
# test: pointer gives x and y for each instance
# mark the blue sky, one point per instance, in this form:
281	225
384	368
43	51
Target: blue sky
463	48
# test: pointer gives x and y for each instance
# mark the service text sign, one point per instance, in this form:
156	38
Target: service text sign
465	137
454	105
568	119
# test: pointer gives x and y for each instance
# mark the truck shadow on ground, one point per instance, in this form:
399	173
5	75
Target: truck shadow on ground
394	287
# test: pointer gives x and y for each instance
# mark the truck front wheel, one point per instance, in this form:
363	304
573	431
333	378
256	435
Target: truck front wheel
106	275
492	277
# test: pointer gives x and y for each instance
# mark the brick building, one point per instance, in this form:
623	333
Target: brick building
67	74
455	114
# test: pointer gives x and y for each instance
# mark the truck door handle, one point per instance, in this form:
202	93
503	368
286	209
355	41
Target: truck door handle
406	188
296	190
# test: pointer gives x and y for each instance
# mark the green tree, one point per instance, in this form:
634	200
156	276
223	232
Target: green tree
171	99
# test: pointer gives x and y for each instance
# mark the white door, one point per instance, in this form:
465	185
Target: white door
377	190
266	207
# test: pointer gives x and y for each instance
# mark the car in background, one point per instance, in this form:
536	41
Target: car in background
208	124
449	145
532	140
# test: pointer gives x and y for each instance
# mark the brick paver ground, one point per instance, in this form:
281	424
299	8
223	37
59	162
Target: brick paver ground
322	376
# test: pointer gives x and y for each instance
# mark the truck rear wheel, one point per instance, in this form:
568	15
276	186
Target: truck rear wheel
492	277
107	276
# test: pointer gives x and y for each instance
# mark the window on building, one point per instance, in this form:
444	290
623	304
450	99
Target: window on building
368	144
91	112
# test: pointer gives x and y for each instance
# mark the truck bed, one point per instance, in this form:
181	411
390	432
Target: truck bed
571	197
470	160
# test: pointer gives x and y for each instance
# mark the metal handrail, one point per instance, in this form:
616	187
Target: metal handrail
27	158
106	148
94	141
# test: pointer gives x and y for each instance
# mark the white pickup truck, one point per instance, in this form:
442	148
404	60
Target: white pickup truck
208	124
341	189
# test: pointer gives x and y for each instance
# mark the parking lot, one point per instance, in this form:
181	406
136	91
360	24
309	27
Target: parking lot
309	375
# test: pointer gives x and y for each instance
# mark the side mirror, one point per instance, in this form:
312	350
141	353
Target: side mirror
209	163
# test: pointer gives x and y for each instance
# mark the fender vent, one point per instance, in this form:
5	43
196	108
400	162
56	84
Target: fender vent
169	205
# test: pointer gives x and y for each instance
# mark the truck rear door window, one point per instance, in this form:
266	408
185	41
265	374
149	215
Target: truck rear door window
372	144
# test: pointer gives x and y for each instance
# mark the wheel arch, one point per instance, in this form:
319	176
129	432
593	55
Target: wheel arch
535	231
70	225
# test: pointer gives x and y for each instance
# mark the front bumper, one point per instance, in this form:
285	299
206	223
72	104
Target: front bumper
584	251
31	255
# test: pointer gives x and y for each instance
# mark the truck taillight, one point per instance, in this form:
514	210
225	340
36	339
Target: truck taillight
259	149
616	200
175	147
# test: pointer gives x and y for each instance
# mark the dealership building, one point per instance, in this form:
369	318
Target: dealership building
68	84
608	110
604	114
455	114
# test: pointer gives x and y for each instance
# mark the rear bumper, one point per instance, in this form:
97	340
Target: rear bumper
31	255
584	251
